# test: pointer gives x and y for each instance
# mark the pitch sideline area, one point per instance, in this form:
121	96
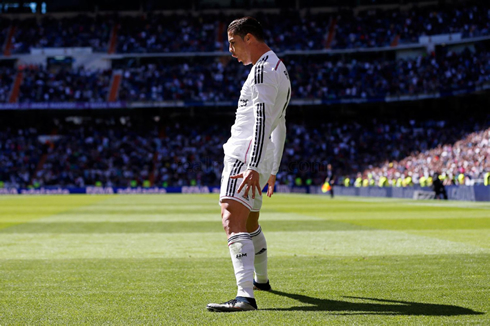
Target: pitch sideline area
159	259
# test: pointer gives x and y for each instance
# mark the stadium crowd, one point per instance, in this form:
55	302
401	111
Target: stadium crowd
219	79
110	153
6	80
20	152
313	77
391	149
289	30
462	162
169	33
41	84
48	31
377	28
200	80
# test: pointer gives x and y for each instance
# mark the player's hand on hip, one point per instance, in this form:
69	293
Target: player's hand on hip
270	185
251	179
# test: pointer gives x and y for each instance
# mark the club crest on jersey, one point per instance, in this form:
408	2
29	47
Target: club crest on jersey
243	102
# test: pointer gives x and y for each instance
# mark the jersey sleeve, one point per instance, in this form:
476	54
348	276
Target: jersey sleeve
278	138
264	94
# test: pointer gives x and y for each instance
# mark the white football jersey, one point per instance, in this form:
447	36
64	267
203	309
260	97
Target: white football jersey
259	131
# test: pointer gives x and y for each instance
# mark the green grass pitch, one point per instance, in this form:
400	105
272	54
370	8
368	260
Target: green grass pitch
159	259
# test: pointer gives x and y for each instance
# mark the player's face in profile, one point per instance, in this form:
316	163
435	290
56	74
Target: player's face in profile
239	49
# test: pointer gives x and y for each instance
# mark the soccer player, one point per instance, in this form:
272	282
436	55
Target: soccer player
252	153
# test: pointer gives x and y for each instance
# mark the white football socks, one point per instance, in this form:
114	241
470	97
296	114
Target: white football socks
260	263
242	256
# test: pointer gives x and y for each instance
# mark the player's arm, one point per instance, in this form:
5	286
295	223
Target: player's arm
278	138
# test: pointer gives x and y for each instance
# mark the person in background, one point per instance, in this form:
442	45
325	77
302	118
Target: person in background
439	187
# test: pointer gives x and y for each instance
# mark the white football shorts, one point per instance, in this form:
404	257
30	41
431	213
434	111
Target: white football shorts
230	186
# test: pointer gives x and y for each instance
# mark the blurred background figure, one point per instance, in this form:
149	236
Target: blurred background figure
439	187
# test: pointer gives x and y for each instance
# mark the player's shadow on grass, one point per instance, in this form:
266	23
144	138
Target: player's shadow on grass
380	306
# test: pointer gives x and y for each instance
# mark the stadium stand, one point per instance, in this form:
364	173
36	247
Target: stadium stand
40	85
143	60
109	153
114	155
461	162
289	30
315	77
212	79
78	31
377	28
6	80
205	79
169	33
415	149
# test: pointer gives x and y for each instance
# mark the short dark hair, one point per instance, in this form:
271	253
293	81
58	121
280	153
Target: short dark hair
245	25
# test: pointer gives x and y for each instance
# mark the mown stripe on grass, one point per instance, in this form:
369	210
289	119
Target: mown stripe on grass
396	290
175	245
424	224
187	217
364	243
22	209
353	210
313	225
479	238
173	227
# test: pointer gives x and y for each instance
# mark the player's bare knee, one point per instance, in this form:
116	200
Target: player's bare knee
232	224
225	219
